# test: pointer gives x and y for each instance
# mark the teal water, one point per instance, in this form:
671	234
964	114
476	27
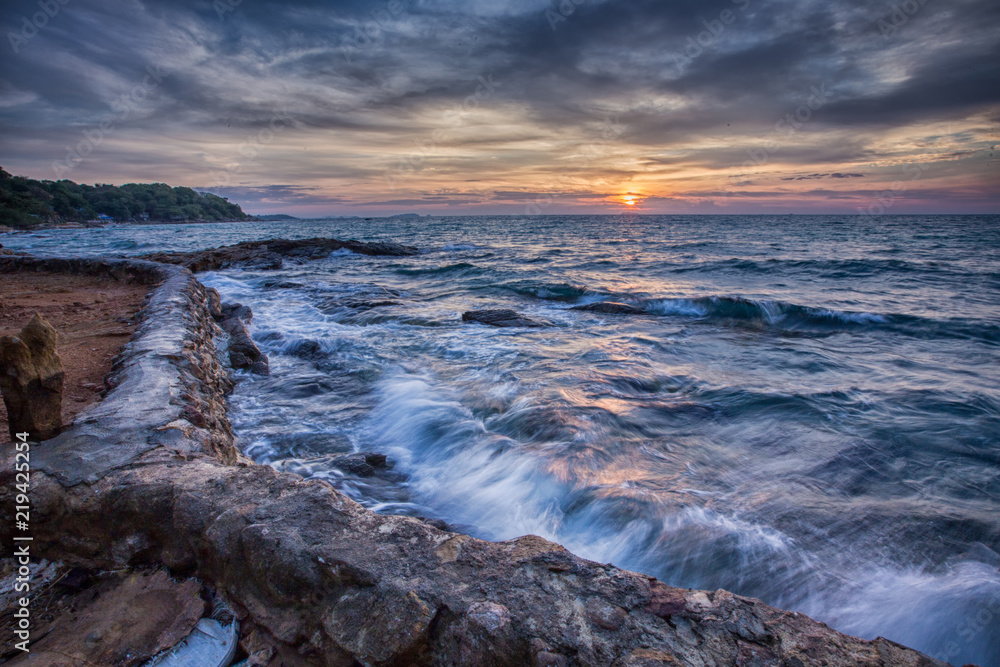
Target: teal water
807	412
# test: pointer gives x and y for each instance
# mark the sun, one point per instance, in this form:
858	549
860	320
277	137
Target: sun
630	199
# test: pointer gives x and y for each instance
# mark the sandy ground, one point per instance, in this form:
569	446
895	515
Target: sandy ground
94	318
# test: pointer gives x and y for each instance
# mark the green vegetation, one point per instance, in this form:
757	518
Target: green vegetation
25	202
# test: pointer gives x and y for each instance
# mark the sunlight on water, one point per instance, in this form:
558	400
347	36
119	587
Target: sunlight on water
802	410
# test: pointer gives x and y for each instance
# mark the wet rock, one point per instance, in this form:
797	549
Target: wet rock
244	354
238	310
266	255
362	304
362	464
307	350
499	318
31	380
214	300
610	307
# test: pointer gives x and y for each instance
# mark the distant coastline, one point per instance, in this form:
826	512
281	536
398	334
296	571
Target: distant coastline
26	203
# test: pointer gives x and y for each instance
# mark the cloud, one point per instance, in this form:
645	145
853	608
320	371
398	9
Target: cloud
812	177
614	98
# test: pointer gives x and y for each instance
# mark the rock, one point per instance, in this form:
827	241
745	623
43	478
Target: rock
611	308
31	379
123	620
265	255
320	580
243	352
237	310
362	464
307	350
499	318
214	303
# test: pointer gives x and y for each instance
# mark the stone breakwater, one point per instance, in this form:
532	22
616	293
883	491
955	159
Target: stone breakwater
151	476
269	254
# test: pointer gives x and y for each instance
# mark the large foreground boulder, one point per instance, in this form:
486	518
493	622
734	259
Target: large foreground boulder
31	379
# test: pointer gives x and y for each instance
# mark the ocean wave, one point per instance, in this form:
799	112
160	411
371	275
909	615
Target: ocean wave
549	291
827	268
791	316
764	311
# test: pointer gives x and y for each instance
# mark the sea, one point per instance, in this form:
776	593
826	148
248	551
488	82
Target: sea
805	411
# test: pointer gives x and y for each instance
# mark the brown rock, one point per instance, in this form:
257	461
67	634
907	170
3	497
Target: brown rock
31	379
122	621
214	300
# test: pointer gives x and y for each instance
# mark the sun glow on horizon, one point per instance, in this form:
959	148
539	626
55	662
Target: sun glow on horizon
631	199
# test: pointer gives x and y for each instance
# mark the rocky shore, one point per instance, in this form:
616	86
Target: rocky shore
269	254
151	476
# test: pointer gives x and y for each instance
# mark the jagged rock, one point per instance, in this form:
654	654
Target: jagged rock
31	379
264	255
611	308
237	310
499	318
214	303
243	352
362	464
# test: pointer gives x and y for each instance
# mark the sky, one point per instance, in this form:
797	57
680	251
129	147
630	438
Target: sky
515	107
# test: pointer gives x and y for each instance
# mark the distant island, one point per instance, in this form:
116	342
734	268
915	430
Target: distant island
27	203
276	216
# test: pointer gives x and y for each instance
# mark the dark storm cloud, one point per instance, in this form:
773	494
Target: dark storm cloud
812	177
377	77
362	56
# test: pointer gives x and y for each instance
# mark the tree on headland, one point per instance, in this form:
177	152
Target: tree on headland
25	202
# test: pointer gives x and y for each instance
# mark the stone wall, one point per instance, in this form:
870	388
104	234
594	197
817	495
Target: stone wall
151	476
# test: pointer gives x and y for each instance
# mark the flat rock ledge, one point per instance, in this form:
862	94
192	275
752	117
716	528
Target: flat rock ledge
270	254
151	476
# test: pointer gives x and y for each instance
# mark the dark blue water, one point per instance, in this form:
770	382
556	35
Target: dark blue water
808	411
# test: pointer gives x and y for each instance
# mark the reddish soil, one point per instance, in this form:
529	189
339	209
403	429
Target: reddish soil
94	318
